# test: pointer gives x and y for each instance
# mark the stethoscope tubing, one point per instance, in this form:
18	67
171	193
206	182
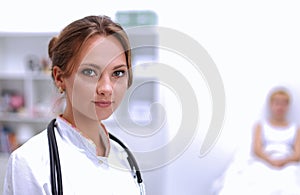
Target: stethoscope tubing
54	161
55	168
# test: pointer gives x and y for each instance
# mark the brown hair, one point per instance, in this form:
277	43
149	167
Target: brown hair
64	49
279	92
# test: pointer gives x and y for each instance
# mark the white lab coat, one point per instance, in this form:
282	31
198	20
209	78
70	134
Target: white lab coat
83	172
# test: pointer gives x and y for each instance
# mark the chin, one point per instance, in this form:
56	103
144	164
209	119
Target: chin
103	116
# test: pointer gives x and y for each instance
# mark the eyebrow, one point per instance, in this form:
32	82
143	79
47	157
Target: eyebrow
92	65
119	66
99	68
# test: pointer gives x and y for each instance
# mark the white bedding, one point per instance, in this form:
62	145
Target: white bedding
246	175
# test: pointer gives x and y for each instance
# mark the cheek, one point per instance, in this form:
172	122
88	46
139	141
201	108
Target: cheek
119	91
83	91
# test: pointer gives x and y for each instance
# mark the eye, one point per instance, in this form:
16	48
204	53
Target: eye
89	72
119	73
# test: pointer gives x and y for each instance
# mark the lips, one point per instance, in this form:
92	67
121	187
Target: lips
103	104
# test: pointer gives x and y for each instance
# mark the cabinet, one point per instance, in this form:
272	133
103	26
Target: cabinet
139	118
27	93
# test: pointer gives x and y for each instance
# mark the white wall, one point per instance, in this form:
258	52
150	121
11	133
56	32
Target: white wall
255	45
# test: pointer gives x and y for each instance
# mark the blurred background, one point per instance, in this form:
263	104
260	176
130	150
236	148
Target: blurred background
255	45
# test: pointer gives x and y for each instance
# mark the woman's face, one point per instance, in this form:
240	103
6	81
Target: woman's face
279	106
98	85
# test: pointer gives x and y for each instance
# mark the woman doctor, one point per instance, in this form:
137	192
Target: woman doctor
91	65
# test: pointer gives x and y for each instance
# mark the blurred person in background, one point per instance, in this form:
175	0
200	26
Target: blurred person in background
273	166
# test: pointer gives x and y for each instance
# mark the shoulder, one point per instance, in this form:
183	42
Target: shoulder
26	167
297	128
35	150
258	125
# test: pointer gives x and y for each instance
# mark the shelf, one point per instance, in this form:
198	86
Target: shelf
9	117
24	76
27	34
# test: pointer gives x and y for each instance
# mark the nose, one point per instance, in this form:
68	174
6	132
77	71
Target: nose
104	86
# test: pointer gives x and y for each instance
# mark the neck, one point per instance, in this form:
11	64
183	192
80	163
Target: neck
89	128
278	121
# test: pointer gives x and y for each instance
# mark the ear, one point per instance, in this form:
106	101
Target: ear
58	77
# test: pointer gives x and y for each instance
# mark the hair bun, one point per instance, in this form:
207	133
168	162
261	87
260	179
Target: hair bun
51	46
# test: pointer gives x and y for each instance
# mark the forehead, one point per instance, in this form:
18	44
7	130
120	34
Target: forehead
280	97
102	50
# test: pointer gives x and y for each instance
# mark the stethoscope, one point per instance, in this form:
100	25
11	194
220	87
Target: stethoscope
55	169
